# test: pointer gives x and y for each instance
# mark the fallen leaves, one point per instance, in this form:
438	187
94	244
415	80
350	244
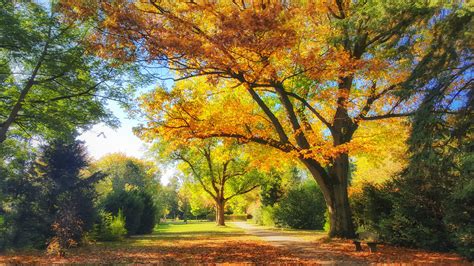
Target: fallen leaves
229	248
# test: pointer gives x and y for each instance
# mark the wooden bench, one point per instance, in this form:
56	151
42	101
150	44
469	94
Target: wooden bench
369	238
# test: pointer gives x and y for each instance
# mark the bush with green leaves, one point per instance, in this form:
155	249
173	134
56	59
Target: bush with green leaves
110	228
137	207
403	213
370	206
460	217
416	213
303	207
265	215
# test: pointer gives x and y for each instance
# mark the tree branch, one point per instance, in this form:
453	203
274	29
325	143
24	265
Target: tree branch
241	192
276	123
385	116
286	147
198	176
285	101
314	111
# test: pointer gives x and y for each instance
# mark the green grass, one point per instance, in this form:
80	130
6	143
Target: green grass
171	232
195	229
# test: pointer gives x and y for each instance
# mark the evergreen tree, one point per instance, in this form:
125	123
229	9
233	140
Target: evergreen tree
53	199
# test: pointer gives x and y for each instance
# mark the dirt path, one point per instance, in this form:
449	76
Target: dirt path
272	237
297	246
322	251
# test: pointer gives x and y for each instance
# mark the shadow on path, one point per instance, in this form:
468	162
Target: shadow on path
303	248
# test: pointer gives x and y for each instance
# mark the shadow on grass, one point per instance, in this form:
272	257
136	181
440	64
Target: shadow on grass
188	235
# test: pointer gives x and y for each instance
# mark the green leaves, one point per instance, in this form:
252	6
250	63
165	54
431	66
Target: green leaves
50	83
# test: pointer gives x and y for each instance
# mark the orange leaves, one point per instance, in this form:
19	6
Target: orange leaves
195	108
310	49
190	247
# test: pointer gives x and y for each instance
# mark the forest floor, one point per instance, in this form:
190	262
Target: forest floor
236	243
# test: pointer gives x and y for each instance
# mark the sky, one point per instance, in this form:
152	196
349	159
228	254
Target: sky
101	139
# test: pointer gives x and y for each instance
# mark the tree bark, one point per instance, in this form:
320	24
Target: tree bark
220	204
339	208
333	184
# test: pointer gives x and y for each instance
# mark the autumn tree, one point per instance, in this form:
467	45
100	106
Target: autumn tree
299	76
221	170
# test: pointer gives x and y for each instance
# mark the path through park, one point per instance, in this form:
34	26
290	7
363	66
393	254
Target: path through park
273	237
315	247
297	245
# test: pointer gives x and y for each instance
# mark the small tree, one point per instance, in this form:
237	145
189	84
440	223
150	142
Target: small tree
220	169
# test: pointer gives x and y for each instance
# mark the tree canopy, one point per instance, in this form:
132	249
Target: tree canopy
51	84
250	71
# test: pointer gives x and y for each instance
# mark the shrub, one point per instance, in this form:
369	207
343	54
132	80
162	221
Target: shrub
137	207
110	228
265	215
459	217
117	226
131	205
148	217
303	207
403	212
370	206
416	213
268	216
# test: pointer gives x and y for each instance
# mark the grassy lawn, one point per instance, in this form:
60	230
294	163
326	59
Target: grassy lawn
195	228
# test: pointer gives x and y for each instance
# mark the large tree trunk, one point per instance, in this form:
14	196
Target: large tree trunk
220	204
333	184
340	215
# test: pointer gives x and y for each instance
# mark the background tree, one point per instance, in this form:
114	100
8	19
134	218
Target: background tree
133	187
171	198
184	201
124	171
277	184
270	81
220	169
201	204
